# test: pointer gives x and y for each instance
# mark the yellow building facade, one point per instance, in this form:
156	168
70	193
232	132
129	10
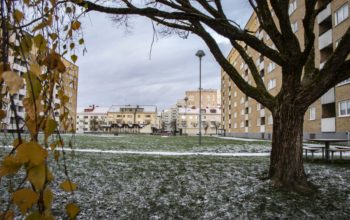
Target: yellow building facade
133	114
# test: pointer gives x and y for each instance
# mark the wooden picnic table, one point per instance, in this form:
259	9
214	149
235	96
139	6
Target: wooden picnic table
327	142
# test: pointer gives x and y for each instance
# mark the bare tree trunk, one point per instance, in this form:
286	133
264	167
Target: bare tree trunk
286	165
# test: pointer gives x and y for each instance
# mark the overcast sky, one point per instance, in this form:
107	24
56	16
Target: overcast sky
118	70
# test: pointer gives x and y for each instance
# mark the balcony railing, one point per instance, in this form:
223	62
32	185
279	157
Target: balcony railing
328	124
324	14
328	97
325	39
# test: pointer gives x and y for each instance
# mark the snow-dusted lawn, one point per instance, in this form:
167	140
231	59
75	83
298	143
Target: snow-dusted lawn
172	144
134	186
158	143
197	187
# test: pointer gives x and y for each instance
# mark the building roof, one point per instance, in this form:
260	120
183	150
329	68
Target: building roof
95	110
146	108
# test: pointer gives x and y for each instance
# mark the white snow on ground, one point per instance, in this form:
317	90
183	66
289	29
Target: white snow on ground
162	153
241	139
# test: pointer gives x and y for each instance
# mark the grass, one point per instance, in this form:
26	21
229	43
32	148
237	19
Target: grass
158	143
113	186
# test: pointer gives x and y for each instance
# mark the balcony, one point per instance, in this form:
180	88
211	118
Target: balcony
328	125
325	39
323	15
262	128
328	97
262	113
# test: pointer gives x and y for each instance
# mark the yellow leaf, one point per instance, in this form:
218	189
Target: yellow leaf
68	186
13	81
50	127
53	36
26	44
74	58
2	114
40	42
36	176
53	61
9	215
48	198
41	25
36	69
32	128
18	16
72	210
34	216
81	41
35	85
75	25
31	152
10	165
32	110
24	199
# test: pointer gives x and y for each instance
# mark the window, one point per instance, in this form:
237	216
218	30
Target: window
271	84
292	7
312	114
271	67
341	14
235	115
294	26
246	123
242	100
235	125
344	108
262	121
242	124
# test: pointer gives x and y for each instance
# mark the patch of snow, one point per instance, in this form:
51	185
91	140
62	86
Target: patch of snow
241	139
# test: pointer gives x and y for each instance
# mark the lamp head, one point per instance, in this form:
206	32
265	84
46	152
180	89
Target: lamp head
200	53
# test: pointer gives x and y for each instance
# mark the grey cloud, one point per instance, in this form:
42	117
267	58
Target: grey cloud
117	68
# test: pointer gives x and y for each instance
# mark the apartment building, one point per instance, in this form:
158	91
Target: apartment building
168	118
133	114
70	87
210	98
92	119
188	120
327	117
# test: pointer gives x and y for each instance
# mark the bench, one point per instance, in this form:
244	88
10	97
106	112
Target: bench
340	150
313	150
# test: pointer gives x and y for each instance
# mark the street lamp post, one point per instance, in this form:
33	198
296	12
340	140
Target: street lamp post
186	99
200	54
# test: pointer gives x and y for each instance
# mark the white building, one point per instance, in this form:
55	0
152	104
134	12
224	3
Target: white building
188	120
92	119
168	119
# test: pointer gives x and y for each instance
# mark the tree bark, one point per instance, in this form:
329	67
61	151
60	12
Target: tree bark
286	161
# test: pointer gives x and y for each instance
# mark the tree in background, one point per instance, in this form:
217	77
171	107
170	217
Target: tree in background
302	82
